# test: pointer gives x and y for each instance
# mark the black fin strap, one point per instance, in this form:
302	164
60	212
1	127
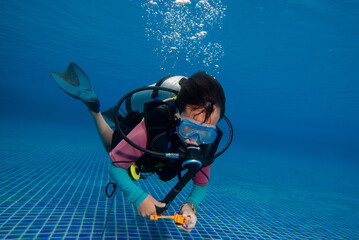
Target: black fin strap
93	104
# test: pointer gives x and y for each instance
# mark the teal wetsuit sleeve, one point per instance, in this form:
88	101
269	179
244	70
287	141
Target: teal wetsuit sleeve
197	194
131	191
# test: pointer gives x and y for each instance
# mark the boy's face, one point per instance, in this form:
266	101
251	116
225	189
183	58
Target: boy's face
199	116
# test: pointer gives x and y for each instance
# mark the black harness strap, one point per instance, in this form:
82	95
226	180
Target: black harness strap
177	189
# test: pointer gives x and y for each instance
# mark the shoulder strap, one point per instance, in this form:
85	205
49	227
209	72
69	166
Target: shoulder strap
159	119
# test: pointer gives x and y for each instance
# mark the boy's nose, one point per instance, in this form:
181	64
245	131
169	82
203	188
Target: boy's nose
193	140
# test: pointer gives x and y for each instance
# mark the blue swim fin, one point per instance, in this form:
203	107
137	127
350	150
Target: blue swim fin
75	82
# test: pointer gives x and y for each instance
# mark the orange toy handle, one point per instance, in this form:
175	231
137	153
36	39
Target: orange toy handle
178	218
155	217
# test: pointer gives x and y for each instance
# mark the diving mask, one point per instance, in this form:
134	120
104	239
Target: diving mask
197	131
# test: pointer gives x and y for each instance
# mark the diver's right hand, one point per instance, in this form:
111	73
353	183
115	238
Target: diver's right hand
148	206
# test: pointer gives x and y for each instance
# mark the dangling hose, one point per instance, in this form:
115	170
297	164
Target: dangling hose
113	199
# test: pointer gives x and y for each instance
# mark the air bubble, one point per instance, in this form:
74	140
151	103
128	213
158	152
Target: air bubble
181	30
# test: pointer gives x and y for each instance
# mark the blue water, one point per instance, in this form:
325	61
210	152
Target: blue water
290	73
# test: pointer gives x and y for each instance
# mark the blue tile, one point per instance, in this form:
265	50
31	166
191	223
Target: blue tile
67	201
13	236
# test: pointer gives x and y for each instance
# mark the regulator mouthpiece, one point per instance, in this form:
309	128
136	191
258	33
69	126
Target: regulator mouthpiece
192	157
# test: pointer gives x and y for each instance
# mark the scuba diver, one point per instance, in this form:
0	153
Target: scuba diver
169	129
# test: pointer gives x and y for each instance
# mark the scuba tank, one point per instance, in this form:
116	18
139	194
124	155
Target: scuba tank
135	102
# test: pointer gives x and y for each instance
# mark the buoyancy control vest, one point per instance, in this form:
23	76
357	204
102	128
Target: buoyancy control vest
161	127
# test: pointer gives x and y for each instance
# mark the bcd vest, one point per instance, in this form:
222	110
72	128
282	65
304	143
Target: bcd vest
161	127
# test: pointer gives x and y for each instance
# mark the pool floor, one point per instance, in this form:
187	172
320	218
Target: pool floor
53	180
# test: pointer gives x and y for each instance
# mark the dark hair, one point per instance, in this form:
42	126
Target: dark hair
202	91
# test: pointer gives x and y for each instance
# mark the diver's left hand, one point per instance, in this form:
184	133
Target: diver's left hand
187	211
